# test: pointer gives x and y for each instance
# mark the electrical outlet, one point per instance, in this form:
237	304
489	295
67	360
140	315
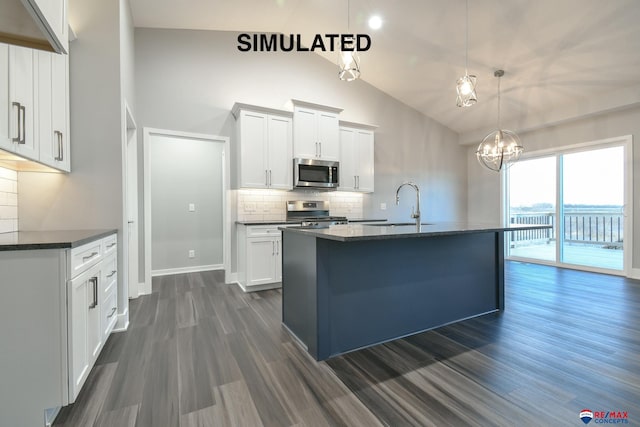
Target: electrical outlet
192	253
192	207
383	206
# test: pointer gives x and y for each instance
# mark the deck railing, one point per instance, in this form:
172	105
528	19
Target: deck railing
593	227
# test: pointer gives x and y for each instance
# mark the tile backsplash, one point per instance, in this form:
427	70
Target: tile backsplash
270	205
8	201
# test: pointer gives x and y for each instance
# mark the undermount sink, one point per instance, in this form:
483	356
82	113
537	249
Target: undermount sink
395	224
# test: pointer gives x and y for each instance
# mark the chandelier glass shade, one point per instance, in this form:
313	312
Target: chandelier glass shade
466	88
349	63
501	148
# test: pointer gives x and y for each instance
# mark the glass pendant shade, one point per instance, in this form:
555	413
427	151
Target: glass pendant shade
466	88
349	63
499	149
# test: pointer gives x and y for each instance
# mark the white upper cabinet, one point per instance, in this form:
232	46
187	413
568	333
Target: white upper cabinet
22	62
37	24
34	105
264	147
315	131
356	157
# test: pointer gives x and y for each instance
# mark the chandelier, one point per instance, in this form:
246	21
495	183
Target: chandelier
502	147
466	85
348	61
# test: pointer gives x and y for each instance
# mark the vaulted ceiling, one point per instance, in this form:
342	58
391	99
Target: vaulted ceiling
563	59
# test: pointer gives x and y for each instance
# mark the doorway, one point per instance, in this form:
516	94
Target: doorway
186	185
584	193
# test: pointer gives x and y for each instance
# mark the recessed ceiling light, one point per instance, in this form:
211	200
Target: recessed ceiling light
375	22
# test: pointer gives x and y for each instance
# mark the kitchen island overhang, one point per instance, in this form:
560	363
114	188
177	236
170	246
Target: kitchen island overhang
352	286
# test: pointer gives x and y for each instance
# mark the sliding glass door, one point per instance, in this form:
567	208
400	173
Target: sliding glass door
581	193
593	203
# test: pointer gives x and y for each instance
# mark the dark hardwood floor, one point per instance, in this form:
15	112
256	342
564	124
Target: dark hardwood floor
202	353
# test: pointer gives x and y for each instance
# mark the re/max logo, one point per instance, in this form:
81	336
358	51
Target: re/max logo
261	42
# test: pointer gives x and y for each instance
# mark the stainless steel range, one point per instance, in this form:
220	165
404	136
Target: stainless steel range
312	214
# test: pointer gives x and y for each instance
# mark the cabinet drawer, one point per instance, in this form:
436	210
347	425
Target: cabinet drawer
109	274
110	244
262	231
85	256
108	313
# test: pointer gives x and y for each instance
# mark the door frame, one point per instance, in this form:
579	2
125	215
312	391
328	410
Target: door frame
130	167
625	141
148	134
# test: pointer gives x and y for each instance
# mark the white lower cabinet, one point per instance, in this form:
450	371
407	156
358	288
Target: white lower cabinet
259	257
92	305
58	307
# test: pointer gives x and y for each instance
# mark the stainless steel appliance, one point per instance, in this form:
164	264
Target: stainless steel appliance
312	214
316	174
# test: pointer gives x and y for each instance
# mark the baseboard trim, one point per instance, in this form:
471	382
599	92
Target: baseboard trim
231	278
180	270
123	321
259	287
635	273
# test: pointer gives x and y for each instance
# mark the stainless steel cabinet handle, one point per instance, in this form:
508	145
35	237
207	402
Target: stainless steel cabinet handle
58	137
19	137
320	144
24	129
358	180
270	181
85	258
273	248
94	283
355	182
277	248
111	274
113	311
266	177
109	246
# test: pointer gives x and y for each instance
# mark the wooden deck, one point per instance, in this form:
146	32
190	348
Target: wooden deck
586	255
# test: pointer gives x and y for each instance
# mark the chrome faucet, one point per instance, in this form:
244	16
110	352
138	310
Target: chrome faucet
416	214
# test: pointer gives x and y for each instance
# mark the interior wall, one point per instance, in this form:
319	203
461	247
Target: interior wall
189	80
90	197
484	185
183	172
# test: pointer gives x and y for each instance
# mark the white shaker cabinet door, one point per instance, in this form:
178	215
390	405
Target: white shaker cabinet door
365	160
254	172
328	136
280	153
5	139
305	134
22	62
261	261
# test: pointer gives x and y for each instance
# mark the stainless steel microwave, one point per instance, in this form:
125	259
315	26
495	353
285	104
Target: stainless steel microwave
314	173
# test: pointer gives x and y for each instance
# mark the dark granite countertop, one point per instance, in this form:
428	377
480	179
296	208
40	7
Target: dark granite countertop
283	222
58	239
354	232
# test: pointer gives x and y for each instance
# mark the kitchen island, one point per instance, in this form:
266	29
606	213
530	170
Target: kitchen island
352	286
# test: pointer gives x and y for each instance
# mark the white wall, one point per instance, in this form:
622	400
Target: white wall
484	185
189	80
90	197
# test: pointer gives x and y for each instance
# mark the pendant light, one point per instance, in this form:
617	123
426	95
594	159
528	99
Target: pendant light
349	61
502	147
466	85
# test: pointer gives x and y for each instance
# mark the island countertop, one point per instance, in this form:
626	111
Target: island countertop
356	232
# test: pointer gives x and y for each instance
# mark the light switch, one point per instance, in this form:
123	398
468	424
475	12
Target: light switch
192	207
383	206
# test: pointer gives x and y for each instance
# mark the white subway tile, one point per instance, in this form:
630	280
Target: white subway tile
8	225
8	174
8	212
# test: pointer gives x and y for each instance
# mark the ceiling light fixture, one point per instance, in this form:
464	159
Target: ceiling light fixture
375	22
501	148
348	60
466	85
